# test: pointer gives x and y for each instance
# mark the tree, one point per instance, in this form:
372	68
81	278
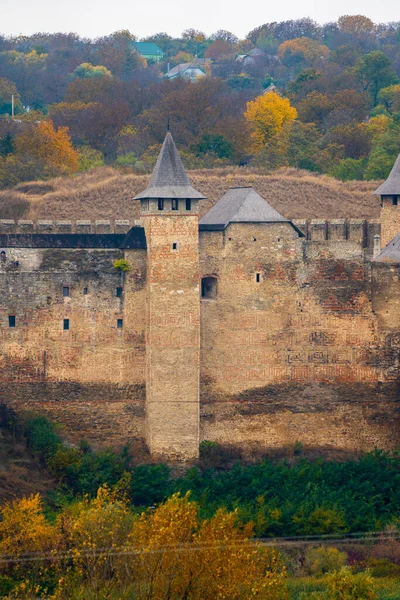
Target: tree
302	49
355	24
390	98
226	36
266	116
51	147
374	71
87	71
219	50
7	90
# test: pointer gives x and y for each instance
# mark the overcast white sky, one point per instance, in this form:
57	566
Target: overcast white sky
93	18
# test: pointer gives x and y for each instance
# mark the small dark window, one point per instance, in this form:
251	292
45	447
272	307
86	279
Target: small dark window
11	321
209	287
174	245
188	204
120	323
174	204
395	200
161	204
16	263
254	239
258	277
66	325
118	292
145	205
85	291
3	256
65	291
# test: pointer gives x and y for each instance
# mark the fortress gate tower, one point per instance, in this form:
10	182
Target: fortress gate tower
169	211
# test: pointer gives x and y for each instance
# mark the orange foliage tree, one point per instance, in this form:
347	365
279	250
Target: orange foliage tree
304	48
266	115
52	147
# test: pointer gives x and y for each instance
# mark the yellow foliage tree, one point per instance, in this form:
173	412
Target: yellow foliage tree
51	146
24	529
303	47
266	116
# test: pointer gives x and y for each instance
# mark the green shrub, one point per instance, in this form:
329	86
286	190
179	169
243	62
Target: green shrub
121	265
42	437
322	560
346	585
62	460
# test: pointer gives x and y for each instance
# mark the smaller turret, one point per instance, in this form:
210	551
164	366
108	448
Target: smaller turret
389	192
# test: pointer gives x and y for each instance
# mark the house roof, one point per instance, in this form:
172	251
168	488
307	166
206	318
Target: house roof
391	187
169	178
391	252
182	68
241	205
146	48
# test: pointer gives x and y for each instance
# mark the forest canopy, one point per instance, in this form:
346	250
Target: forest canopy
295	93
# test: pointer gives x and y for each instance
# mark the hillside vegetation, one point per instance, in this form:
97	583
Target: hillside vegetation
107	192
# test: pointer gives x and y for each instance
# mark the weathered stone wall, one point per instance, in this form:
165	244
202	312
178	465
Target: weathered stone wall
173	344
94	363
308	351
390	220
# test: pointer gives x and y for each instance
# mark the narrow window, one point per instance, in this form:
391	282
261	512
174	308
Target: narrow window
395	200
188	204
3	256
209	287
161	204
65	291
174	204
66	325
11	321
145	205
118	292
254	239
174	245
258	277
120	323
85	291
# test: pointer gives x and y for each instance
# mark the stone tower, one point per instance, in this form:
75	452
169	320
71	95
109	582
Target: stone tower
169	211
389	192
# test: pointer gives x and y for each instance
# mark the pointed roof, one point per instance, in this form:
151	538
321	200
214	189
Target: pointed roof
241	205
169	178
391	252
391	187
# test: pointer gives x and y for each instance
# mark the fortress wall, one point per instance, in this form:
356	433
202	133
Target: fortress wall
308	325
93	364
358	231
45	226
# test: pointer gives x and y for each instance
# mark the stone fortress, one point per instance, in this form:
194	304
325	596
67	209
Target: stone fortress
243	328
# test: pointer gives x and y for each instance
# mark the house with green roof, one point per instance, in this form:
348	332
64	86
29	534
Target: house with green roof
149	51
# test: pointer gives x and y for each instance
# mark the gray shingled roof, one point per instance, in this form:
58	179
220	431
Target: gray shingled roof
391	187
240	205
169	179
391	252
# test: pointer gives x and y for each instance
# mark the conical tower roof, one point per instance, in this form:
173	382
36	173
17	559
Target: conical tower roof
391	187
169	178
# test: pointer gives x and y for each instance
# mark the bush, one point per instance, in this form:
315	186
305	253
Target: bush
322	560
121	265
346	585
42	437
349	169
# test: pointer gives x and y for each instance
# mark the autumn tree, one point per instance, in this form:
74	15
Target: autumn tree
51	146
302	49
266	116
87	71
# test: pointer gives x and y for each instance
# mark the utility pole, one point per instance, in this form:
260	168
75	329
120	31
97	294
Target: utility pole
12	106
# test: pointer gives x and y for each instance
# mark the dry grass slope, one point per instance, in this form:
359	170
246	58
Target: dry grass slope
106	192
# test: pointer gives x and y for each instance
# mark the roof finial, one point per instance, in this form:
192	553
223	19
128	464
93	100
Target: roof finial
168	123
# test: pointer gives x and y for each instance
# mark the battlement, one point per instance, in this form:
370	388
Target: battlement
64	226
359	231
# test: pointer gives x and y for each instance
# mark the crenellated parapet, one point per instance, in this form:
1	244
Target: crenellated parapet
358	231
100	226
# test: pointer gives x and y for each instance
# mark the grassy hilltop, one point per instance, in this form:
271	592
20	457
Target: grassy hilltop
106	192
